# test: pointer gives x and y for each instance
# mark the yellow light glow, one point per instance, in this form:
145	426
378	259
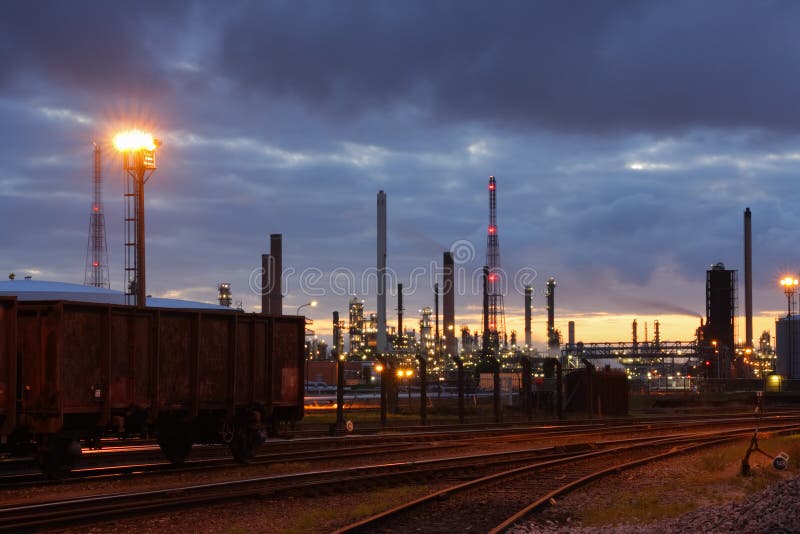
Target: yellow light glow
379	368
399	373
789	281
133	140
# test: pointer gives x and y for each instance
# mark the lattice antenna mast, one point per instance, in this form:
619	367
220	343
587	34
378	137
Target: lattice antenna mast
497	319
96	273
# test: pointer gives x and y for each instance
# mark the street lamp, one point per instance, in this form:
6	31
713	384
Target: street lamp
789	286
138	150
312	303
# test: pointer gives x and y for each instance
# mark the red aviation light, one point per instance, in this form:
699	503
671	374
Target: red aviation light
491	187
95	264
492	277
95	208
492	229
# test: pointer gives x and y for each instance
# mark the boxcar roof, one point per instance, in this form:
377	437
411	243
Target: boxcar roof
26	290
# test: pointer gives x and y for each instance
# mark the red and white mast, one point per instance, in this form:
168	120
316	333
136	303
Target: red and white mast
96	273
497	319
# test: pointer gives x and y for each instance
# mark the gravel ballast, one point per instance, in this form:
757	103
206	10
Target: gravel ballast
776	509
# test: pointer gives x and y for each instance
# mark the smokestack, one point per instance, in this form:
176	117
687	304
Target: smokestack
635	335
436	338
748	280
449	305
381	338
275	271
400	310
265	277
486	334
571	331
528	301
550	293
336	336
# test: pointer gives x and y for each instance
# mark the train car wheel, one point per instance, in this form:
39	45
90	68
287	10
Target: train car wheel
57	456
245	444
176	449
175	442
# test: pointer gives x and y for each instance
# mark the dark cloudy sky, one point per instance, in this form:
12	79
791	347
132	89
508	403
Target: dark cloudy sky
626	137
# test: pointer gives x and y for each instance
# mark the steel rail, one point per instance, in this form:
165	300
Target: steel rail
355	446
55	513
411	515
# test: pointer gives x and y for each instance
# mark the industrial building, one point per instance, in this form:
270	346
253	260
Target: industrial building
787	337
718	332
356	324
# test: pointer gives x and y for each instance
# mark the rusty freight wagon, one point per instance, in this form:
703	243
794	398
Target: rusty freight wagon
68	369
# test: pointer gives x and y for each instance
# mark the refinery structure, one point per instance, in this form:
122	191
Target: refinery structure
433	339
710	353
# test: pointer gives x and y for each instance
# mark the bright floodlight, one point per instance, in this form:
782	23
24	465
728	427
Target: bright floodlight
133	140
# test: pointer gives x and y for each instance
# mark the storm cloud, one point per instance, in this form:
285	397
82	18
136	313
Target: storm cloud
626	137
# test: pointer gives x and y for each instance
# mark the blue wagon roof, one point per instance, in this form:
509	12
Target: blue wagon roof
28	290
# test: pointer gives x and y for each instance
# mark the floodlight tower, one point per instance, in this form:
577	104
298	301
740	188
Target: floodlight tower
97	250
138	162
497	319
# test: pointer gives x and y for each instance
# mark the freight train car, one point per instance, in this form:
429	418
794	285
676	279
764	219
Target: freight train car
68	369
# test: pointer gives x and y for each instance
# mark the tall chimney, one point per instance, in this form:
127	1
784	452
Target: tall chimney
635	335
449	305
381	337
748	280
436	339
571	334
528	303
550	293
275	272
400	311
265	277
336	336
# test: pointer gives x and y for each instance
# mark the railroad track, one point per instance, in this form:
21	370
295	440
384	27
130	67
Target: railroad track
135	459
146	457
479	467
496	502
89	473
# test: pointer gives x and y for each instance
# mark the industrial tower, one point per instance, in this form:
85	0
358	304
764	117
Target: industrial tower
553	335
96	273
497	318
138	163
